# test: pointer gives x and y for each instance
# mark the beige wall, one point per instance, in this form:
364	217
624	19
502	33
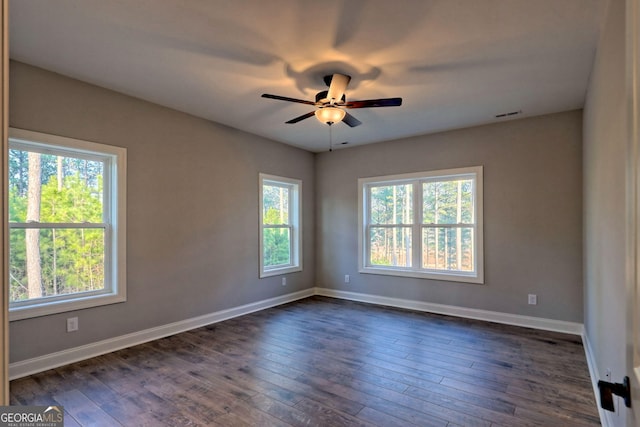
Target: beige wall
605	157
532	214
192	208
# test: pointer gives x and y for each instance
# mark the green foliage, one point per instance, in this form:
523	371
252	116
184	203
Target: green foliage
17	206
447	202
75	202
392	204
72	259
275	204
276	242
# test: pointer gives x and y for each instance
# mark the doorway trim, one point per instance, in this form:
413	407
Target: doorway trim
4	253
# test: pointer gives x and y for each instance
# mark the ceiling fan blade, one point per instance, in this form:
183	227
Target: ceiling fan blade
284	98
337	87
302	117
369	103
350	120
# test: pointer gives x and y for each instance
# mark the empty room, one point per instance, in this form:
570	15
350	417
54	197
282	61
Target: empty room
302	213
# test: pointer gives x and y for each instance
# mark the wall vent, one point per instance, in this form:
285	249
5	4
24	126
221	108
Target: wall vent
513	113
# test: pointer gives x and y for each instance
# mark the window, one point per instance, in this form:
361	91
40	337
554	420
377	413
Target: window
426	225
280	225
66	224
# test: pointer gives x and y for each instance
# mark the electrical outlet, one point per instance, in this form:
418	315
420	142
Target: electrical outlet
533	299
72	324
347	279
284	281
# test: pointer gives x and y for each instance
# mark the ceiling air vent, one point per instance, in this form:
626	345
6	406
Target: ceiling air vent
513	113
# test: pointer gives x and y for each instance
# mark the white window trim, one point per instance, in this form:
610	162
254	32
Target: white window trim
295	214
415	271
115	231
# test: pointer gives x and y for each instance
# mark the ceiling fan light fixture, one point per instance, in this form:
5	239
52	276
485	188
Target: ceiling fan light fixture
331	104
330	115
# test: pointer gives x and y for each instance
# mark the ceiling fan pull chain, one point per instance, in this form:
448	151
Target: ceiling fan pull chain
330	138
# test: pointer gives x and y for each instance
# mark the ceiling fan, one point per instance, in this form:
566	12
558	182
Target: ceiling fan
331	104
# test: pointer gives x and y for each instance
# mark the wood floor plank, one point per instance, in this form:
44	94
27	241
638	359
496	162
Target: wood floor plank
323	362
260	410
559	418
141	408
88	385
382	419
84	410
287	413
385	400
325	397
324	416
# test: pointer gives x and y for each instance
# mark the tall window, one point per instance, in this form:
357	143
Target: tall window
426	225
280	221
66	224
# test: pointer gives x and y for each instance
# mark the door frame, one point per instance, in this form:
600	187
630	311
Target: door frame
632	75
4	236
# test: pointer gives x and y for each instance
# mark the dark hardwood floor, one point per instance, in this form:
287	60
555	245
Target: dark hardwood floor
327	362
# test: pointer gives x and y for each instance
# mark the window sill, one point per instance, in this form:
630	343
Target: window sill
280	271
451	277
46	308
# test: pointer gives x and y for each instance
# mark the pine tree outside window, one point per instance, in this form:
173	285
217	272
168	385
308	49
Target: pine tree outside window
280	219
66	224
425	225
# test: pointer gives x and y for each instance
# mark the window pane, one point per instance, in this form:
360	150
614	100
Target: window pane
276	247
66	261
390	246
392	204
50	188
447	248
448	202
275	205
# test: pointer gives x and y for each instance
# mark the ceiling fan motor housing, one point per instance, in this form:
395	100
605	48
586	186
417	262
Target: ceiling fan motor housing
321	97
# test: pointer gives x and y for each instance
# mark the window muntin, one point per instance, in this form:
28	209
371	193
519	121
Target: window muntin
280	237
67	228
424	225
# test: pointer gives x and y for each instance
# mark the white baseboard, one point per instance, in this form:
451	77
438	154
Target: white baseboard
65	357
451	310
605	416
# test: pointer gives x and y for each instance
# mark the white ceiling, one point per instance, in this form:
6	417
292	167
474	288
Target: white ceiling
455	63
